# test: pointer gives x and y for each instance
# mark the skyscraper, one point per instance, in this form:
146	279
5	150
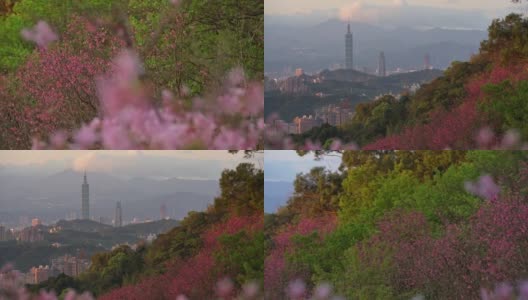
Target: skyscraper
163	211
85	199
349	49
118	222
382	71
427	62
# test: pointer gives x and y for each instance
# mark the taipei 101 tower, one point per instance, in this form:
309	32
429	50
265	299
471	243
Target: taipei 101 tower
349	49
85	199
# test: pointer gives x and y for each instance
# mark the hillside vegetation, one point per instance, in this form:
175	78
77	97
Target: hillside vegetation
59	61
473	104
226	241
399	224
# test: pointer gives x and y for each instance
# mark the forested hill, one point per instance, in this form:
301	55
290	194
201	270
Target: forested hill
225	240
74	237
297	96
484	97
404	225
486	92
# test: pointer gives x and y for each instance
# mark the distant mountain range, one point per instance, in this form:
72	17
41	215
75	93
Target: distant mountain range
54	196
316	47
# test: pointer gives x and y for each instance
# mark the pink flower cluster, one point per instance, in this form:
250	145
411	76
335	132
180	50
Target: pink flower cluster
488	139
503	291
484	187
41	34
56	88
129	118
297	290
466	257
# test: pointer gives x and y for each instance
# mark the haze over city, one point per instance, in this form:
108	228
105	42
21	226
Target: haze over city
47	184
308	34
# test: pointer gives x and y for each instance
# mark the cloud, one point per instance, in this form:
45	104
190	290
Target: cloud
400	2
358	12
92	162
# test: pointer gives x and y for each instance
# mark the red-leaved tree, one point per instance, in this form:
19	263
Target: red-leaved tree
196	277
276	274
56	89
457	128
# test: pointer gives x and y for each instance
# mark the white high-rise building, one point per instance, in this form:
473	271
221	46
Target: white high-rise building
85	199
118	221
349	49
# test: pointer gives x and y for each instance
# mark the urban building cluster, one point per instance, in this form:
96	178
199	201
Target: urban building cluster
26	234
6	234
85	206
67	264
335	114
30	234
298	83
32	230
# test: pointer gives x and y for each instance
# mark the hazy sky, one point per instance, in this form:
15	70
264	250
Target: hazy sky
183	163
280	170
284	165
305	6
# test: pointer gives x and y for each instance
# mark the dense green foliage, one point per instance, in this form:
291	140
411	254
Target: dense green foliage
315	192
376	119
383	199
243	255
62	282
325	133
14	50
194	44
507	106
27	255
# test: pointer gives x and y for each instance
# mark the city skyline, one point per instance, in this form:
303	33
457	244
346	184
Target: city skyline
49	187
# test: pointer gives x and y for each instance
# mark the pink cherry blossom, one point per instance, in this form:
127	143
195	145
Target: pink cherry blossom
484	187
131	120
41	34
225	288
297	289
